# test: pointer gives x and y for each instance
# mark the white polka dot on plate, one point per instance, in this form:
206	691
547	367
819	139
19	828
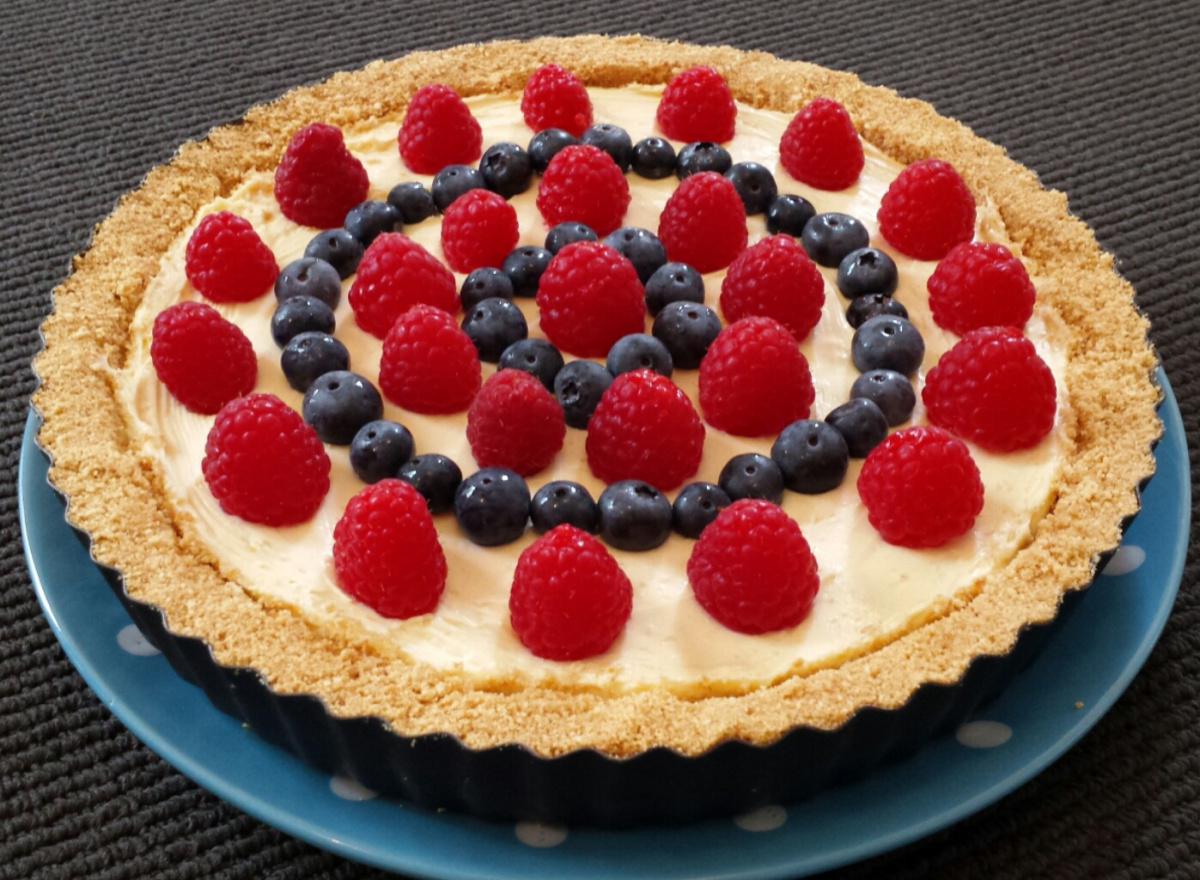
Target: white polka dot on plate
983	734
349	790
1129	557
133	642
764	819
539	835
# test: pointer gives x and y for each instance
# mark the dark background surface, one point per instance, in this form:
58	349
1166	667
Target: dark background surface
1100	99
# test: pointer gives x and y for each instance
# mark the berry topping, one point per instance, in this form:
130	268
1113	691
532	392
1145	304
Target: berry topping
696	505
752	475
866	271
413	201
820	146
861	422
613	140
563	501
687	329
755	184
980	285
696	105
703	222
492	506
338	248
653	158
493	325
368	219
310	355
429	365
435	476
920	487
524	267
812	456
300	314
309	276
545	145
641	247
514	422
927	210
556	98
567	233
396	274
438	130
887	342
337	404
634	516
506	169
673	282
202	359
582	183
483	283
226	261
830	238
479	229
537	357
318	180
453	182
578	386
588	298
789	214
639	351
379	449
702	156
752	570
888	390
864	308
774	278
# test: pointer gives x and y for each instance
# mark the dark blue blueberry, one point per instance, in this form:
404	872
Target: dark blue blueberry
337	404
696	505
828	238
452	181
861	423
653	158
634	516
367	220
568	233
506	169
789	214
492	506
687	329
562	501
538	357
300	314
483	283
545	145
493	325
812	456
379	449
524	267
865	271
673	282
613	140
413	201
755	184
886	342
863	308
752	475
639	351
641	247
338	248
310	355
435	476
309	276
579	386
890	391
702	156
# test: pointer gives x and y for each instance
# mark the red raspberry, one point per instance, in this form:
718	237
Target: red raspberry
696	105
429	365
980	285
394	275
226	260
992	388
264	464
438	130
754	380
927	210
776	279
589	297
556	98
920	487
569	597
582	183
820	146
479	229
645	428
386	551
752	569
514	422
703	222
204	360
318	180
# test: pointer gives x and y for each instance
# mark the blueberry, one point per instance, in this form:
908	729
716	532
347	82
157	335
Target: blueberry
861	423
338	248
413	201
634	516
789	214
483	283
567	233
435	476
452	182
524	267
367	220
702	156
639	351
300	314
338	403
888	390
537	357
696	505
828	238
755	184
545	145
653	158
613	140
812	456
506	169
863	308
562	501
673	282
641	247
379	449
309	355
752	475
493	325
492	506
865	271
687	329
309	276
886	342
579	386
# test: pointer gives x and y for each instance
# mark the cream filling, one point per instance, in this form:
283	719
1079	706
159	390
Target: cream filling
870	591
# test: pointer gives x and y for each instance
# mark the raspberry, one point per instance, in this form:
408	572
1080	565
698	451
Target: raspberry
752	569
263	463
920	487
754	381
588	298
438	130
703	222
645	428
394	275
992	388
927	210
776	279
583	184
386	551
514	422
318	180
204	360
556	98
980	285
479	229
429	365
569	597
696	105
820	146
226	260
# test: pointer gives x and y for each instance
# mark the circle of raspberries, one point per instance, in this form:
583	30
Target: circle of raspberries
429	365
438	130
645	428
318	180
226	261
820	146
204	360
515	423
263	463
921	487
554	97
696	105
703	222
583	184
479	228
776	279
386	551
588	297
993	389
395	274
754	380
752	569
927	210
980	284
569	599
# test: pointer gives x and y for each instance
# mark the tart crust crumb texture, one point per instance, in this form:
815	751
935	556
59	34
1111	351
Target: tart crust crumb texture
117	495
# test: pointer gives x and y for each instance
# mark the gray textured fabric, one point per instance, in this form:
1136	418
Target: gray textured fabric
1099	98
